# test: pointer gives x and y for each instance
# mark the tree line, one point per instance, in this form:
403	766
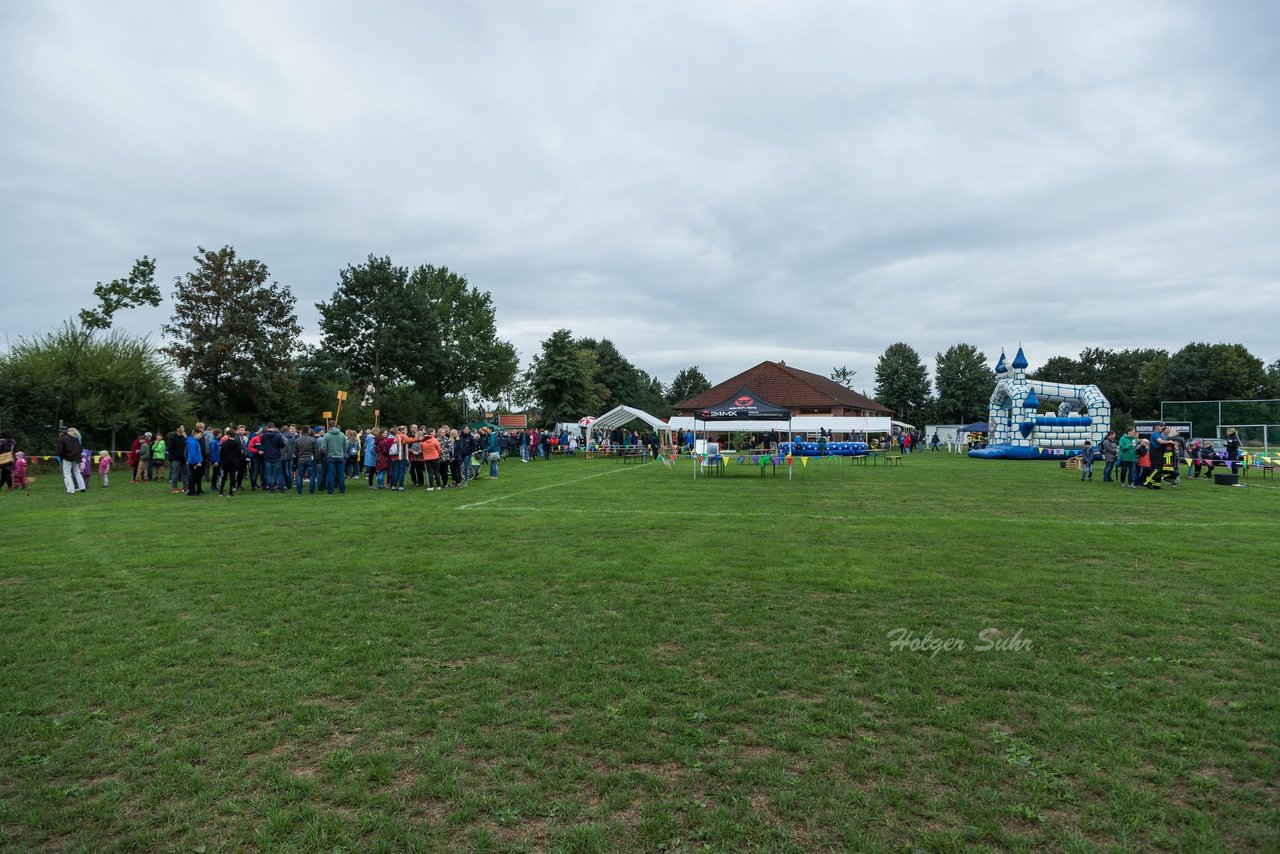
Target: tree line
421	343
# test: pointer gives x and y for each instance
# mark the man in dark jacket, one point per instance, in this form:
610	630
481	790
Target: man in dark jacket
304	451
319	466
462	450
232	462
272	445
175	445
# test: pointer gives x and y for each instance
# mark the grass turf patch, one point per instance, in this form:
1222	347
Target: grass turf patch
591	656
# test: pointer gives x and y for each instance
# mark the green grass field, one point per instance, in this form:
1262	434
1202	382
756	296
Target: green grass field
590	656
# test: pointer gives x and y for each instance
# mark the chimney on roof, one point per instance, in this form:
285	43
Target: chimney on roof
782	363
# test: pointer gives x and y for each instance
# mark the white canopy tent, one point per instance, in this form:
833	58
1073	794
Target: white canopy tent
622	415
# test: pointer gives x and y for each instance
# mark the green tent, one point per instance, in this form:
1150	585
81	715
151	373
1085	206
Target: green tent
476	425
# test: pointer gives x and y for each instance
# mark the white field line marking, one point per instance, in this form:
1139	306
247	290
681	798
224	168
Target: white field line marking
476	504
1016	520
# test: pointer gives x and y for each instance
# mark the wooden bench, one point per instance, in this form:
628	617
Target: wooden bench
893	459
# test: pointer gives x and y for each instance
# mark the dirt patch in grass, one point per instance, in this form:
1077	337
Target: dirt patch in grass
801	697
12	581
668	772
756	753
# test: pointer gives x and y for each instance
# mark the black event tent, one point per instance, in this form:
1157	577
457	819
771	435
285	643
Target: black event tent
745	405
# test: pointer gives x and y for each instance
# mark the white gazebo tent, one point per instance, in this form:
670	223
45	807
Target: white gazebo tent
622	415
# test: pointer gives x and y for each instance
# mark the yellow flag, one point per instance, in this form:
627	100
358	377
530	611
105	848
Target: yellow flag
804	461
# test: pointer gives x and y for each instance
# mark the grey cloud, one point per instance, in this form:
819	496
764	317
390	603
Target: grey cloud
706	183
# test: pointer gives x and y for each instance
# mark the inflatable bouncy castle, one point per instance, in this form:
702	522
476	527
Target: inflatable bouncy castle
1019	431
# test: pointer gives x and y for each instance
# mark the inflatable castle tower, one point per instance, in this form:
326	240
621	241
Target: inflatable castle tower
1019	431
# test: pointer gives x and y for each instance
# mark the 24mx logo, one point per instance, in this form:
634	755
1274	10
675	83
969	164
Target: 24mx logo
744	401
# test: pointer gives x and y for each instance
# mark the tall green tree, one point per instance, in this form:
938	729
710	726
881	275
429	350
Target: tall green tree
427	328
964	384
561	379
902	382
367	322
688	382
233	335
1214	372
458	333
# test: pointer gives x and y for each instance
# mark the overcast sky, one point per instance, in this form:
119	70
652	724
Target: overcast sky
711	182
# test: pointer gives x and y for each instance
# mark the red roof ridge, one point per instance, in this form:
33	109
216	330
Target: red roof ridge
818	383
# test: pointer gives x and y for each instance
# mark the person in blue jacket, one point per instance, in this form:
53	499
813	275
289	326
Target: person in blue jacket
215	460
195	463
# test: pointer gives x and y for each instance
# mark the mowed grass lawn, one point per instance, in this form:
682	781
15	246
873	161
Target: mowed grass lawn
590	656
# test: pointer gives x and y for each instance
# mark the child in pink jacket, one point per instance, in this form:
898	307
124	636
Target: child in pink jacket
19	470
104	466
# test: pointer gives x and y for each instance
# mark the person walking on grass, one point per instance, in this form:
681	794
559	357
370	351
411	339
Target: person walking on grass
495	453
272	445
142	470
1110	451
335	454
104	468
1086	461
69	449
8	459
305	452
213	454
456	461
159	454
1232	446
195	462
231	454
1128	456
431	456
370	451
176	450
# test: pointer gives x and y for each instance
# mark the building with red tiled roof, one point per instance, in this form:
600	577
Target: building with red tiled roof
801	392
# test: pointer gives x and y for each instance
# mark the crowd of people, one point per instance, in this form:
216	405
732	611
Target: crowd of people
1156	460
271	459
281	459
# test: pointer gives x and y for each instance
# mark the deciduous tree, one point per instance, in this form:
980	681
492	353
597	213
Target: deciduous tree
233	334
902	382
561	379
688	382
964	384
